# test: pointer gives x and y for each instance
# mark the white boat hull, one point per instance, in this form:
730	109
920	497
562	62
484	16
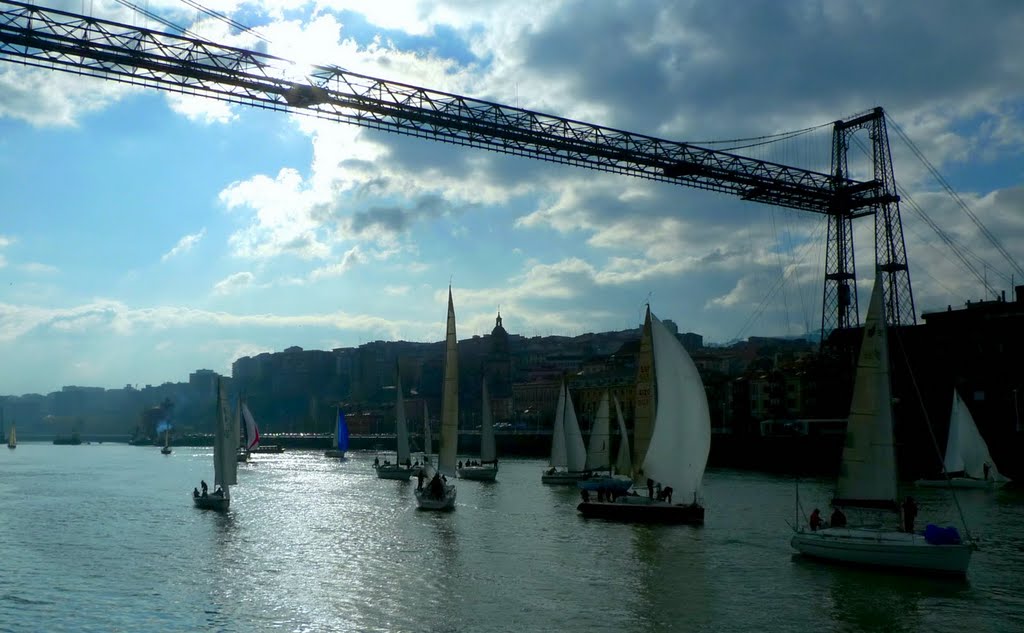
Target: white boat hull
426	502
562	478
883	548
400	473
959	482
478	473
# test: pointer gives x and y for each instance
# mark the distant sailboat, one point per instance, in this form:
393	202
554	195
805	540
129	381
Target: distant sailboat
166	450
487	468
438	494
12	439
225	462
567	450
250	433
868	479
340	437
599	453
677	450
968	463
402	468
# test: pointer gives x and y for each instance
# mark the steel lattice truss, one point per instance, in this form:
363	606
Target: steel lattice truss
49	38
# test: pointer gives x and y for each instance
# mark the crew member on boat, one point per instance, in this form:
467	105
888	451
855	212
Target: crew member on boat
838	519
376	462
815	520
909	514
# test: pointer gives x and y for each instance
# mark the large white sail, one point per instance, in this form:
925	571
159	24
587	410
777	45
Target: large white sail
401	430
450	398
867	477
679	446
966	450
575	451
225	443
488	451
623	463
598	448
558	456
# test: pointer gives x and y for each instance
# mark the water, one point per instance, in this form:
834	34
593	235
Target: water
105	538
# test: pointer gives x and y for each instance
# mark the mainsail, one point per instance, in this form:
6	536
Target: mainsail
342	432
450	397
252	433
225	443
623	464
867	476
598	449
558	457
642	422
575	451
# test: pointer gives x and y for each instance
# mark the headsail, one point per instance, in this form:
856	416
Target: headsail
575	451
252	432
342	431
598	448
867	476
679	446
623	464
450	397
558	457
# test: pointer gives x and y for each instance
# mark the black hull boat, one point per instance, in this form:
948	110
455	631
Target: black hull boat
645	511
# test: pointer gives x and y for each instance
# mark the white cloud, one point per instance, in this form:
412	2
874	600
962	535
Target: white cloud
184	245
37	268
234	283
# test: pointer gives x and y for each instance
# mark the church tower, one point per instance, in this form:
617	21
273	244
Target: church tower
498	373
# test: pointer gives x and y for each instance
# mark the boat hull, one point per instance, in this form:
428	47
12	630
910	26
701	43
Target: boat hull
959	482
269	448
562	478
212	502
400	473
426	502
643	510
478	473
165	450
617	483
882	548
335	454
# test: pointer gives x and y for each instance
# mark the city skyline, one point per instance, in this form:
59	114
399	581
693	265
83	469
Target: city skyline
146	235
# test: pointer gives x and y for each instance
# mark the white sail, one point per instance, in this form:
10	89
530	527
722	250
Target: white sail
599	449
867	476
252	433
558	455
401	430
623	463
450	398
575	451
488	451
679	447
12	439
225	443
643	415
966	450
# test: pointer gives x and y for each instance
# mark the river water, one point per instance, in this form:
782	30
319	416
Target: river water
105	538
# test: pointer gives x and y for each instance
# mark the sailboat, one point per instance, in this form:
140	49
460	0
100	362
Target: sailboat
250	433
487	468
225	464
340	441
402	468
677	452
567	450
968	463
868	478
166	450
12	439
438	494
599	453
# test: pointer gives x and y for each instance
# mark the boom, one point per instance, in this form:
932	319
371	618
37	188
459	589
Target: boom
50	38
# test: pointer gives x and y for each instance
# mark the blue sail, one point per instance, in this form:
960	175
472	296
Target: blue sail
342	432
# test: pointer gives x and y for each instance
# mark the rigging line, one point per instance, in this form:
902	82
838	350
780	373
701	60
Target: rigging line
153	16
931	431
758	138
782	271
226	19
949	190
769	141
956	248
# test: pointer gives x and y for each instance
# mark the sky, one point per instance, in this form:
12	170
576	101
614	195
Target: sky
144	235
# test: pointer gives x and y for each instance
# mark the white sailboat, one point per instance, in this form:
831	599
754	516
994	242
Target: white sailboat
12	439
487	468
599	453
677	452
225	462
340	437
438	494
250	433
868	479
166	450
968	463
402	468
568	461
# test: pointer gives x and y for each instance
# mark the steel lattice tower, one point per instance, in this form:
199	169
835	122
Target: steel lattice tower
839	297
